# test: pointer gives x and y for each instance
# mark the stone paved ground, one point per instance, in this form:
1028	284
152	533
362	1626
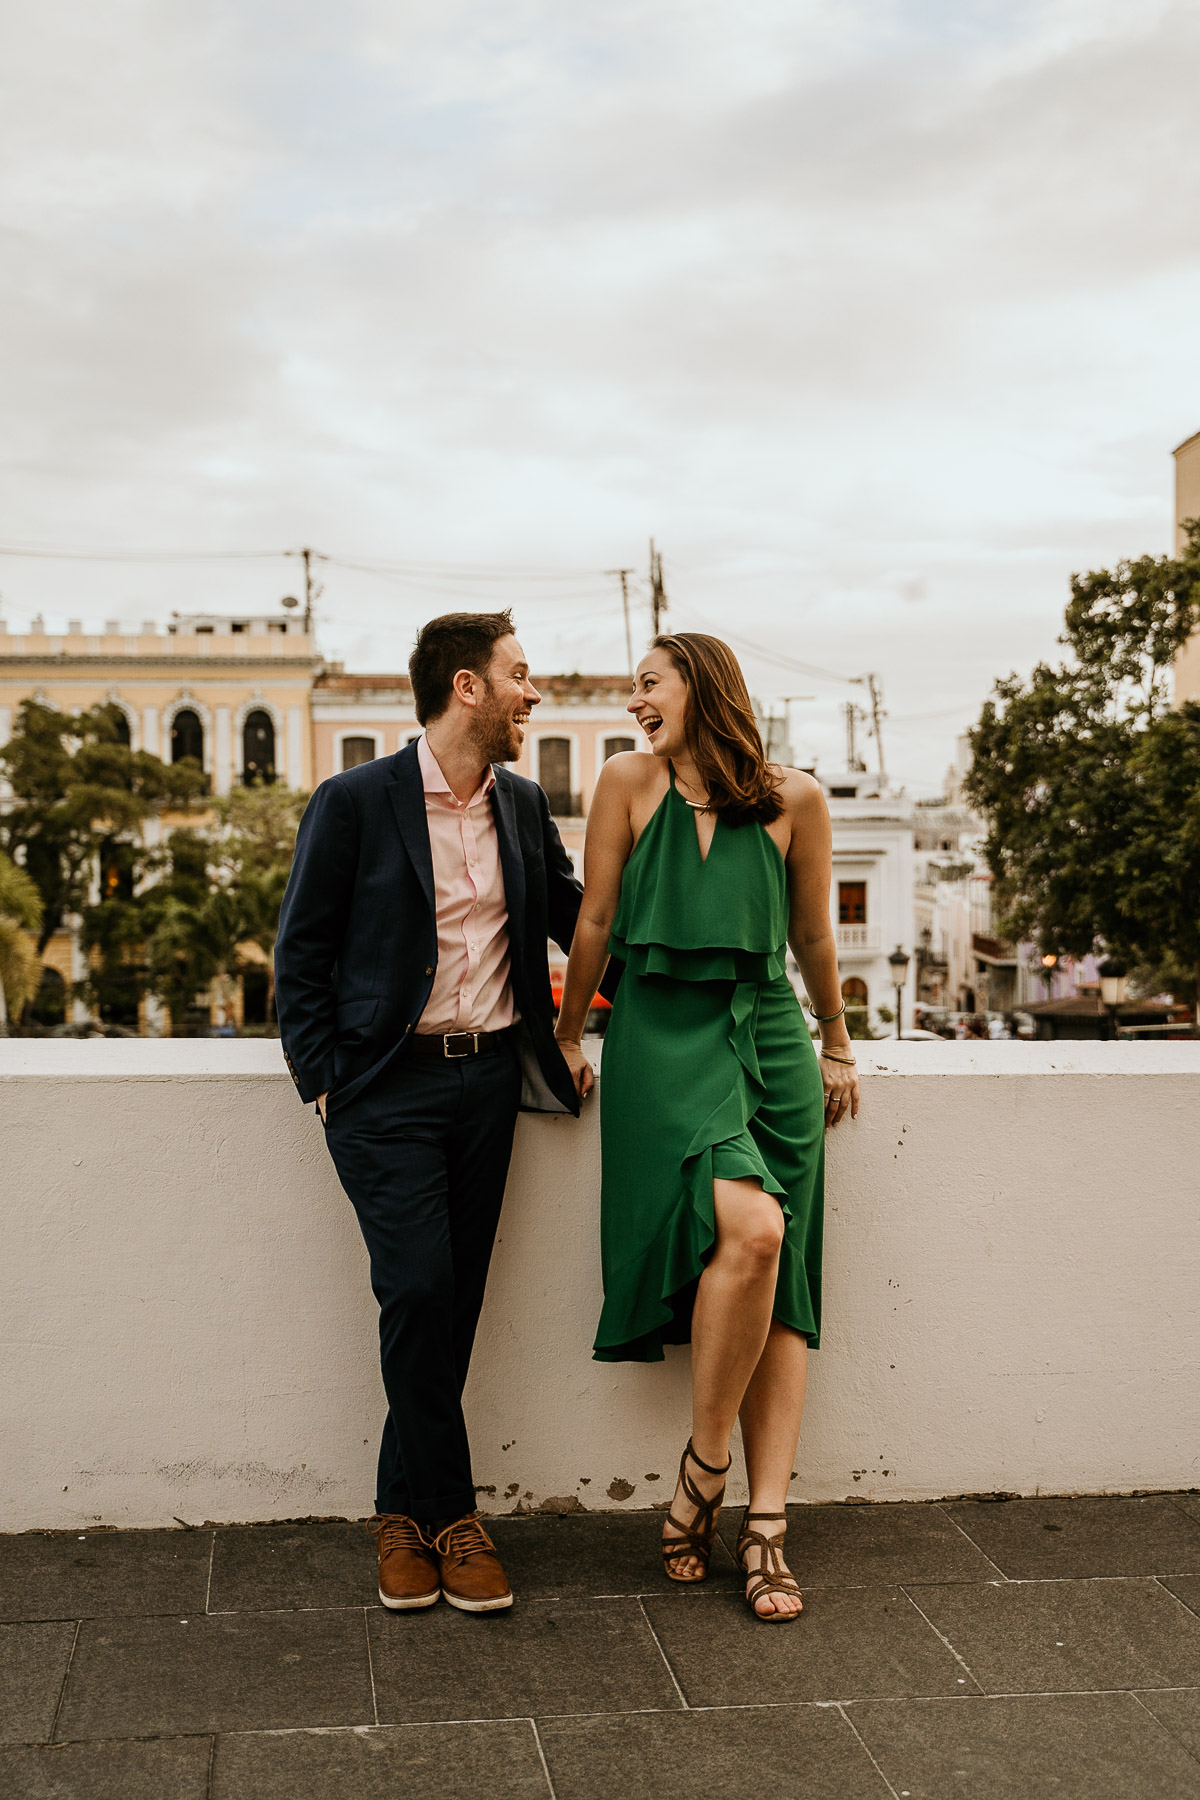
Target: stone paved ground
960	1651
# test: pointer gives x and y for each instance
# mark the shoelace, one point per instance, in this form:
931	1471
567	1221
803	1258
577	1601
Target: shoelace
466	1537
397	1533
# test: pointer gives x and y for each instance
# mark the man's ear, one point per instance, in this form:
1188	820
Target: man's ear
466	686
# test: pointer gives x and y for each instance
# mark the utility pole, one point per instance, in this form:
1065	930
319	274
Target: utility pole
623	575
311	592
788	701
853	713
658	596
875	689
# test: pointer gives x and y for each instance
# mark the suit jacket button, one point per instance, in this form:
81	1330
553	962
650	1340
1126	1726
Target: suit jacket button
429	970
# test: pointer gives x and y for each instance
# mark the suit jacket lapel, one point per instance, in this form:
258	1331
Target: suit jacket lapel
512	863
407	794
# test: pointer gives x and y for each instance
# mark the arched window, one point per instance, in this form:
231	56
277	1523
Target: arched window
854	991
616	746
554	774
120	723
258	748
187	736
356	750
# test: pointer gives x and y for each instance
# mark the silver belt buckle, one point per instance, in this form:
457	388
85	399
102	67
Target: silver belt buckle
459	1055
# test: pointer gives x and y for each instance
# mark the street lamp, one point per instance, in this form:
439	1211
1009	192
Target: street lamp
1049	964
898	963
1113	981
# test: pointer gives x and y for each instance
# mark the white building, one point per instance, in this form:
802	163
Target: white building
871	897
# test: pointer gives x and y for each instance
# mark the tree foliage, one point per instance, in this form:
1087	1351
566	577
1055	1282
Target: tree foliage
1090	781
158	915
20	914
78	788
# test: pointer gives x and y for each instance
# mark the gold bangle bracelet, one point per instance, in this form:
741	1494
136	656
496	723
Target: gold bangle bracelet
849	1062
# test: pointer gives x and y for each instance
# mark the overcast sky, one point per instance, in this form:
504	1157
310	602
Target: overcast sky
881	318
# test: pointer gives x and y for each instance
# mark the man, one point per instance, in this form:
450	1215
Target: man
414	1006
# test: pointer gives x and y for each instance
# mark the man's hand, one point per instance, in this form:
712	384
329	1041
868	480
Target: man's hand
321	1099
582	1073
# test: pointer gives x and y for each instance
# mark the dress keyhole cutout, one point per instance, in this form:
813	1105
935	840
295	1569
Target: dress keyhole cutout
706	829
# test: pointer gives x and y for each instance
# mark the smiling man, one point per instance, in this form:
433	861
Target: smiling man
414	1006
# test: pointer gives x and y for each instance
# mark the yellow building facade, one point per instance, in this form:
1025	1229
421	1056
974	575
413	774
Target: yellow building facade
1187	506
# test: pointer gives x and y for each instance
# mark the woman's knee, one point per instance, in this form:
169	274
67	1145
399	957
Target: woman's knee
755	1234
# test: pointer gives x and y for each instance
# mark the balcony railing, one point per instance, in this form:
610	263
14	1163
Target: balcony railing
858	937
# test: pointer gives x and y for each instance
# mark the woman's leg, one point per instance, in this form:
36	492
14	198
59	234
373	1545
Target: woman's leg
771	1413
730	1322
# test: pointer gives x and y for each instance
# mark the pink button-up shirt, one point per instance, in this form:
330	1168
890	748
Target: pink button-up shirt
472	990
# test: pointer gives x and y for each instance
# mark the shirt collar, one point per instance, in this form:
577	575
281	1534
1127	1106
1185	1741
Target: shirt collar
434	782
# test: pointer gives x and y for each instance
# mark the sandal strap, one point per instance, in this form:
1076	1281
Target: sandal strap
762	1583
695	1539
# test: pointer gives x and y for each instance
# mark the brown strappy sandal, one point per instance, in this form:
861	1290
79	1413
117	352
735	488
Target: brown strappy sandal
697	1538
770	1577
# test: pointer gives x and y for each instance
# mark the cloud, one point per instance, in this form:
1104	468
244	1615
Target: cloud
845	302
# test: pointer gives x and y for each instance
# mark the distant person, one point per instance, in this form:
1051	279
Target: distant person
703	863
414	1006
997	1028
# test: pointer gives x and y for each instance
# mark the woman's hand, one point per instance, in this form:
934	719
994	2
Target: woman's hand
582	1073
840	1080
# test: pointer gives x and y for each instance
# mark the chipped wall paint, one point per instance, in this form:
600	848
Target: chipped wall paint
1012	1294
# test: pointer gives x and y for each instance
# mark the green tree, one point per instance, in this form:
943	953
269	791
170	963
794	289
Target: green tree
1090	781
78	792
20	964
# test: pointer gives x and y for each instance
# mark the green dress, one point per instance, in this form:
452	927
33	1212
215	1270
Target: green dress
708	1073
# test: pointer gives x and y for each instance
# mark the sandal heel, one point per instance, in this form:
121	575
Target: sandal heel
696	1539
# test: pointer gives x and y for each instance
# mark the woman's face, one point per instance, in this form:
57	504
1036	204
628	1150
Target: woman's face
659	703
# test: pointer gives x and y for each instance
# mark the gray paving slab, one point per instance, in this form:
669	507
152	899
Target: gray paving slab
245	1671
1064	1636
1185	1588
273	1568
1188	1503
418	1762
848	1643
774	1753
866	1546
541	1656
157	1769
1112	1535
587	1555
1178	1711
102	1574
1042	1747
33	1663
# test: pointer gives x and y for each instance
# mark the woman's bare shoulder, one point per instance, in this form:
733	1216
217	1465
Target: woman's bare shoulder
800	792
630	772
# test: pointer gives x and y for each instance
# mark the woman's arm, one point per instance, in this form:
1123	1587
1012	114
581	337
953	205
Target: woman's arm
810	934
606	850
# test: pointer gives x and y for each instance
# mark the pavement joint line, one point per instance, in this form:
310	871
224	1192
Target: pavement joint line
665	1657
1134	1695
212	1551
979	1547
370	1664
960	1660
867	1748
66	1677
537	1738
208	1774
1161	1581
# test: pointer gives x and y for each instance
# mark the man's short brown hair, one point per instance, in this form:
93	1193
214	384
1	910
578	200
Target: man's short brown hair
446	645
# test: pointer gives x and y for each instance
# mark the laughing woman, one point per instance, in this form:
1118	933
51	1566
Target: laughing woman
703	862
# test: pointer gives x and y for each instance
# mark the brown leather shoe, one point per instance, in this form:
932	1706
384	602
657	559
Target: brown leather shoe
472	1578
408	1568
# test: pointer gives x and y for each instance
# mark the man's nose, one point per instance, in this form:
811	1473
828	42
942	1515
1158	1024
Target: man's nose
532	695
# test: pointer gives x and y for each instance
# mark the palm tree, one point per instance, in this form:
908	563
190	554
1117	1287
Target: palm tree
20	965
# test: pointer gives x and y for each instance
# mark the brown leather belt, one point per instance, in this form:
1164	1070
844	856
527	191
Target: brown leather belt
455	1045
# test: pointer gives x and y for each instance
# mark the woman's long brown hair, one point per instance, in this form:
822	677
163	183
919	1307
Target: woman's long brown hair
722	731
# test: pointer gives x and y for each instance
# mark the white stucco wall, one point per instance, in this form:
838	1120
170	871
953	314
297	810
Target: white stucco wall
1012	1292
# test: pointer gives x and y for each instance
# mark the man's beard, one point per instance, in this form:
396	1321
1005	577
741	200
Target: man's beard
494	736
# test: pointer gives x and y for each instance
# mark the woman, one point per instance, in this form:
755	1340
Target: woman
703	861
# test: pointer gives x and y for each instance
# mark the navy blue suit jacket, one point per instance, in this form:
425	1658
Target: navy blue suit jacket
357	945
